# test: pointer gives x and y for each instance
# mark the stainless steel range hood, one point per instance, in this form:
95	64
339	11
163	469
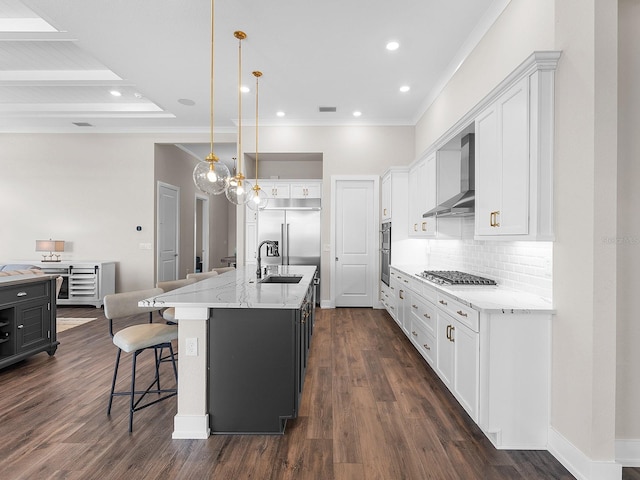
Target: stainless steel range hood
463	202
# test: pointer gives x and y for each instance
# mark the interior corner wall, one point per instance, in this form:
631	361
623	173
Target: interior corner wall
628	237
86	189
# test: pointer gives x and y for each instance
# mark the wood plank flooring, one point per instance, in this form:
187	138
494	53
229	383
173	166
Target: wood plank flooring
371	409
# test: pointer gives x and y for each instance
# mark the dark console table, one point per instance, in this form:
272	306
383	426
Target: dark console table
27	317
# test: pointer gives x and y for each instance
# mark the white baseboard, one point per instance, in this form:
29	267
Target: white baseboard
191	427
628	453
327	304
581	466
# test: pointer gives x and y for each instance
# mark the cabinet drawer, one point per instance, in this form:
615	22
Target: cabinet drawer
424	313
423	341
408	282
24	292
465	315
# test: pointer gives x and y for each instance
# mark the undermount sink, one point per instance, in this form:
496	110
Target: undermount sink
281	279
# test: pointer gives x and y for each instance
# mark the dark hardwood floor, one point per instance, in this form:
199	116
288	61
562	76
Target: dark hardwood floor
371	409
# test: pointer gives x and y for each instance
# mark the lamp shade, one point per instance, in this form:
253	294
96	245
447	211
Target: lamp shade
49	245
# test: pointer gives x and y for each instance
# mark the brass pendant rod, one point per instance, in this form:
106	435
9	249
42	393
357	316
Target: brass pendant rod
257	74
240	36
212	77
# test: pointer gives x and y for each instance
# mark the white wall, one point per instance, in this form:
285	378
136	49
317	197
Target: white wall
89	190
628	238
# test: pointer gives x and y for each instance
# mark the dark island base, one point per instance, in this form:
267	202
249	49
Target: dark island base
257	363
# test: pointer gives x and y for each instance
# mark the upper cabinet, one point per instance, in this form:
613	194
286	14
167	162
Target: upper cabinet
395	201
306	189
386	197
514	157
276	189
422	194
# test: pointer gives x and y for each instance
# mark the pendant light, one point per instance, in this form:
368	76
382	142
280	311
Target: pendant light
259	198
211	176
239	190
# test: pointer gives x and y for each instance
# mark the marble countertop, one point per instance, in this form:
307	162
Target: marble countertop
488	299
240	288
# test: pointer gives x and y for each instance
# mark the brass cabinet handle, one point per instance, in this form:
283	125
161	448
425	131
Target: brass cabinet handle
414	334
392	288
448	332
451	334
493	219
427	346
385	211
427	315
414	306
424	226
405	281
443	302
21	326
415	227
461	313
401	292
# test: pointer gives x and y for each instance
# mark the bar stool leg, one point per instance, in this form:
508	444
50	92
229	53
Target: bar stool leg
133	389
113	382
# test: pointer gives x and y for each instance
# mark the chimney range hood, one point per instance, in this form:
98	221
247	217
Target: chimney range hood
463	202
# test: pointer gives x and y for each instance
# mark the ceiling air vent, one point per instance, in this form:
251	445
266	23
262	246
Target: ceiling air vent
82	124
327	109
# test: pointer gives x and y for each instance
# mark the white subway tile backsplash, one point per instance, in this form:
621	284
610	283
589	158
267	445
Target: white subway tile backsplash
519	265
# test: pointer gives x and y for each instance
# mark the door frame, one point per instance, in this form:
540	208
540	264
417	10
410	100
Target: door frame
158	213
205	230
374	228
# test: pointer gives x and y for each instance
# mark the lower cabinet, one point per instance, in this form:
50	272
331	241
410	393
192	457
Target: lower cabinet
457	361
257	364
495	364
27	319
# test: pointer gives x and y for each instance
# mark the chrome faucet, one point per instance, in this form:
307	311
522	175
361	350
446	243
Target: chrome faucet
272	251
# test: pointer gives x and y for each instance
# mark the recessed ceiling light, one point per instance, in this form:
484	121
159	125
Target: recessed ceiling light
115	93
280	113
357	113
405	88
393	46
244	89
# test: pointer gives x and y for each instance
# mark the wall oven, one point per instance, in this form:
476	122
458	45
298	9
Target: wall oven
385	252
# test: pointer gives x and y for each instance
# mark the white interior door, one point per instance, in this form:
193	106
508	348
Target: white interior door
201	236
355	243
168	234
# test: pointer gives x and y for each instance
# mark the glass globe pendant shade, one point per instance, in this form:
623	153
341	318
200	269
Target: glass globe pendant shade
240	192
211	176
258	199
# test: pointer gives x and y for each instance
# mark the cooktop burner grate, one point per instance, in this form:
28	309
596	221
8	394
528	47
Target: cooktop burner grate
453	277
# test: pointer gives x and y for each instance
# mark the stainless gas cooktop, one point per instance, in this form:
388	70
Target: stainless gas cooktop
452	277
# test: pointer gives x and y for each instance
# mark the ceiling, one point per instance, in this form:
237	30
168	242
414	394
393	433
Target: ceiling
60	59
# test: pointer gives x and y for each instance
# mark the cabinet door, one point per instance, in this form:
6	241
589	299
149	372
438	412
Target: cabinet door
444	349
502	165
465	361
275	189
33	325
415	200
386	197
251	242
310	190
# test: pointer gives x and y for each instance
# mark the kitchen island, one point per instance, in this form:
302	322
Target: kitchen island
243	346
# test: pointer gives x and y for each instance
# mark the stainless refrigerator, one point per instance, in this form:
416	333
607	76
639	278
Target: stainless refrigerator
298	235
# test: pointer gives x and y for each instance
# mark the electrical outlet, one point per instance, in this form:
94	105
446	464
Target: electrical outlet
191	345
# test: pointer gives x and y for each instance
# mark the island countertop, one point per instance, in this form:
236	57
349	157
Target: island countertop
240	288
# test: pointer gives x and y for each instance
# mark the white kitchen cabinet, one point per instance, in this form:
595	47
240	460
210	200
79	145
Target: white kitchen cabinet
306	189
396	303
458	357
386	197
422	191
251	242
514	155
502	165
276	189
